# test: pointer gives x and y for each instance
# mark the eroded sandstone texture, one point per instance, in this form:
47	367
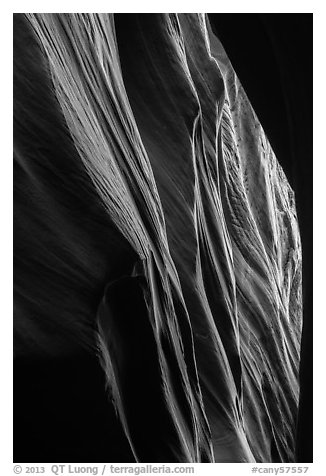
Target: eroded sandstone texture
155	226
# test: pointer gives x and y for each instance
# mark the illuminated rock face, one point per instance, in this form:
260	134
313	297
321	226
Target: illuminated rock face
155	226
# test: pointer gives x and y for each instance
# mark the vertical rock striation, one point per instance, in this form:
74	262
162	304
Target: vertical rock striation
157	212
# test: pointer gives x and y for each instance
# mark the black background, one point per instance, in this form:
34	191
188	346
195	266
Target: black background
55	411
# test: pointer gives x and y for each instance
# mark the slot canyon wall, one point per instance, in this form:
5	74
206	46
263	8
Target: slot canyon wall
157	252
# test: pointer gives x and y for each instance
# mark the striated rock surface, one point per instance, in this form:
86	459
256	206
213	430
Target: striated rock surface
155	227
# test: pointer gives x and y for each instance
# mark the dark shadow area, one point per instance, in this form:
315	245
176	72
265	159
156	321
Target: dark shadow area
62	413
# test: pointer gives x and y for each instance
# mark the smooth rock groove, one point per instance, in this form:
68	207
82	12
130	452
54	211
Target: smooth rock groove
155	227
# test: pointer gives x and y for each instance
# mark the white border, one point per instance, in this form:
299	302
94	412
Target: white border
319	197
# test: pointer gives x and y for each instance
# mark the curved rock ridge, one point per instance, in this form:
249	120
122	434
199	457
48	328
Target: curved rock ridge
155	227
